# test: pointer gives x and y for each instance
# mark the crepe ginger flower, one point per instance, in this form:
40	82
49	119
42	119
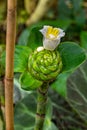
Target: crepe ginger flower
51	37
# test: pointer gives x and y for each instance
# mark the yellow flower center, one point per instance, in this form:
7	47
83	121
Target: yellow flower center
52	33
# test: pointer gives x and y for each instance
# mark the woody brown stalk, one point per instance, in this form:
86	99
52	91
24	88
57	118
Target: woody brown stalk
10	46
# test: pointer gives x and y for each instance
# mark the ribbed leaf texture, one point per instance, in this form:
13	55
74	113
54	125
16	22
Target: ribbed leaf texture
77	91
27	108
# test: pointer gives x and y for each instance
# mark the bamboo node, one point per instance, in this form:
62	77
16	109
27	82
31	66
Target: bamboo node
8	79
40	115
12	11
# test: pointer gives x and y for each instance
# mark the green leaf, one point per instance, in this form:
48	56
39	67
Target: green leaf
18	127
21	58
72	55
28	82
83	37
25	113
23	39
35	38
31	37
75	85
77	91
59	85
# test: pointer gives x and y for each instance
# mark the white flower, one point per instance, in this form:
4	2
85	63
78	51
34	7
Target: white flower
52	37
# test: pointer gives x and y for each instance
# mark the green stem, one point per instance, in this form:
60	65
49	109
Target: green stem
41	106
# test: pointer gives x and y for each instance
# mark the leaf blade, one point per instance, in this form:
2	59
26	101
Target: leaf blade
72	55
21	58
28	82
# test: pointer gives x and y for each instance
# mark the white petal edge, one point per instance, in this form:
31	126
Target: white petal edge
44	30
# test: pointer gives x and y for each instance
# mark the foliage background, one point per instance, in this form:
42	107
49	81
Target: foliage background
69	100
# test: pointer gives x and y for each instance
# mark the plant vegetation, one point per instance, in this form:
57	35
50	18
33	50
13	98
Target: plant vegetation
66	106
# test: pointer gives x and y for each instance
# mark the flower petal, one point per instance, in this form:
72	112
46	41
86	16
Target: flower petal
44	30
52	37
50	44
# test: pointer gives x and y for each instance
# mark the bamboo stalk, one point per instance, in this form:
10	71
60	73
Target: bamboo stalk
10	46
41	106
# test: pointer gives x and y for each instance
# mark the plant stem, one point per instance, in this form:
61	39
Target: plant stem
41	106
10	46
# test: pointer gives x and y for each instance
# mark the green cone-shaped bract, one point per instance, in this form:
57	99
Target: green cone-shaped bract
45	65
